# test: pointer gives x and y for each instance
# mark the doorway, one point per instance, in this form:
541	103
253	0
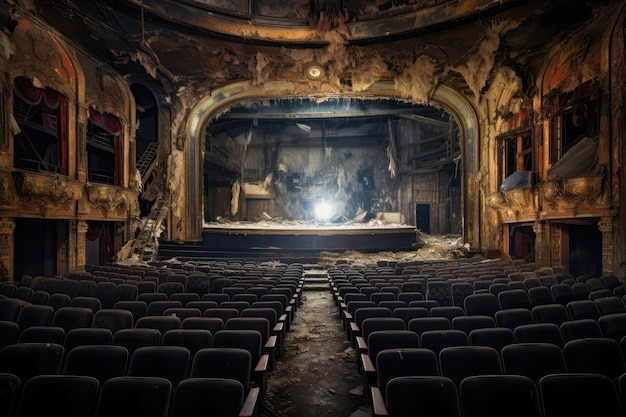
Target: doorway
585	250
99	243
522	242
37	244
422	217
146	143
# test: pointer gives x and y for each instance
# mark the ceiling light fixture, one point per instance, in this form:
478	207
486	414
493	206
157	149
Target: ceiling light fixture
313	71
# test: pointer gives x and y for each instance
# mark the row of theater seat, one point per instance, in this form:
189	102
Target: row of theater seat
172	360
140	392
496	316
57	291
173	322
509	294
524	322
505	305
12	309
488	305
556	395
544	317
392	353
381	333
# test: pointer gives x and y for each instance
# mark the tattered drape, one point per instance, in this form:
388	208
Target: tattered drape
112	125
52	102
106	121
103	234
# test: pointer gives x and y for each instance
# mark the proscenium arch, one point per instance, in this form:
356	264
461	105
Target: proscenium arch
221	100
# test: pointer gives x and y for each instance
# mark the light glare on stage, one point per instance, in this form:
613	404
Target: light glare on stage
323	211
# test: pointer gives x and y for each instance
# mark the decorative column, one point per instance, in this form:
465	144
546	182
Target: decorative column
8	126
81	144
7	247
541	248
558	246
607	227
81	245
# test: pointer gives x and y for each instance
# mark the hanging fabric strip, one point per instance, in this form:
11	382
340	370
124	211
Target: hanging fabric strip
94	231
119	161
27	92
62	134
51	98
106	121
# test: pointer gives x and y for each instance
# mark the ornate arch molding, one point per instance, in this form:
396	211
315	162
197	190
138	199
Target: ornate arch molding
37	54
209	108
50	60
161	100
616	223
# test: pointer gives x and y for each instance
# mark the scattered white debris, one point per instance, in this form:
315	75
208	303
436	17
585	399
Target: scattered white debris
435	248
279	223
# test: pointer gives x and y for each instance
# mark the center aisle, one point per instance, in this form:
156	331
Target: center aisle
317	375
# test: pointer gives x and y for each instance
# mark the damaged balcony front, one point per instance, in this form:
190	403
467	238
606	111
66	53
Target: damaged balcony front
557	211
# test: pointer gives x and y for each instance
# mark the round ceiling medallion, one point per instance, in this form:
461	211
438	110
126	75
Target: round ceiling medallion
314	71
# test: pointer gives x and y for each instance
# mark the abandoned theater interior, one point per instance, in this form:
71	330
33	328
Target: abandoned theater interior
234	143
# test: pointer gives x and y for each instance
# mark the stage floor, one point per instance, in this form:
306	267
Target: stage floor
367	237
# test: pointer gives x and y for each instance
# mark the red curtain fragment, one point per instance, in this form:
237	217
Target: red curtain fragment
52	102
112	125
106	121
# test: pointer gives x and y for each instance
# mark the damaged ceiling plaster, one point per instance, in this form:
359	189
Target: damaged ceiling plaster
353	42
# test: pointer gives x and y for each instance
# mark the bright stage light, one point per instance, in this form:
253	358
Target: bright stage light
323	211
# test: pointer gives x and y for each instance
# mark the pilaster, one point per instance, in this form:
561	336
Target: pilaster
7	246
609	231
80	234
542	247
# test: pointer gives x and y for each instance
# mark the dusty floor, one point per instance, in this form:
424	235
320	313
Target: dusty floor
317	375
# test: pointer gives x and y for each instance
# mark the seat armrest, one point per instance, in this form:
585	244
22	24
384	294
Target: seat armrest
379	409
279	331
259	374
261	366
361	344
278	328
286	320
271	349
353	332
347	318
368	373
271	342
251	406
367	365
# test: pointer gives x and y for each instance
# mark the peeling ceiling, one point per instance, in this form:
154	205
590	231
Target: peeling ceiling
343	44
354	121
213	42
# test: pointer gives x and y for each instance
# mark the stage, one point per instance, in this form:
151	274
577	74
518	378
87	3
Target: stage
279	240
363	237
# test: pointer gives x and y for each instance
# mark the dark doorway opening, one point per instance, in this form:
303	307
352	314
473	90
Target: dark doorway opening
218	198
422	217
522	242
37	243
146	143
585	250
99	243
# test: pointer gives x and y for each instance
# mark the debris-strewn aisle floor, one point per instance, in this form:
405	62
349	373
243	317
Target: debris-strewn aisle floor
317	375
